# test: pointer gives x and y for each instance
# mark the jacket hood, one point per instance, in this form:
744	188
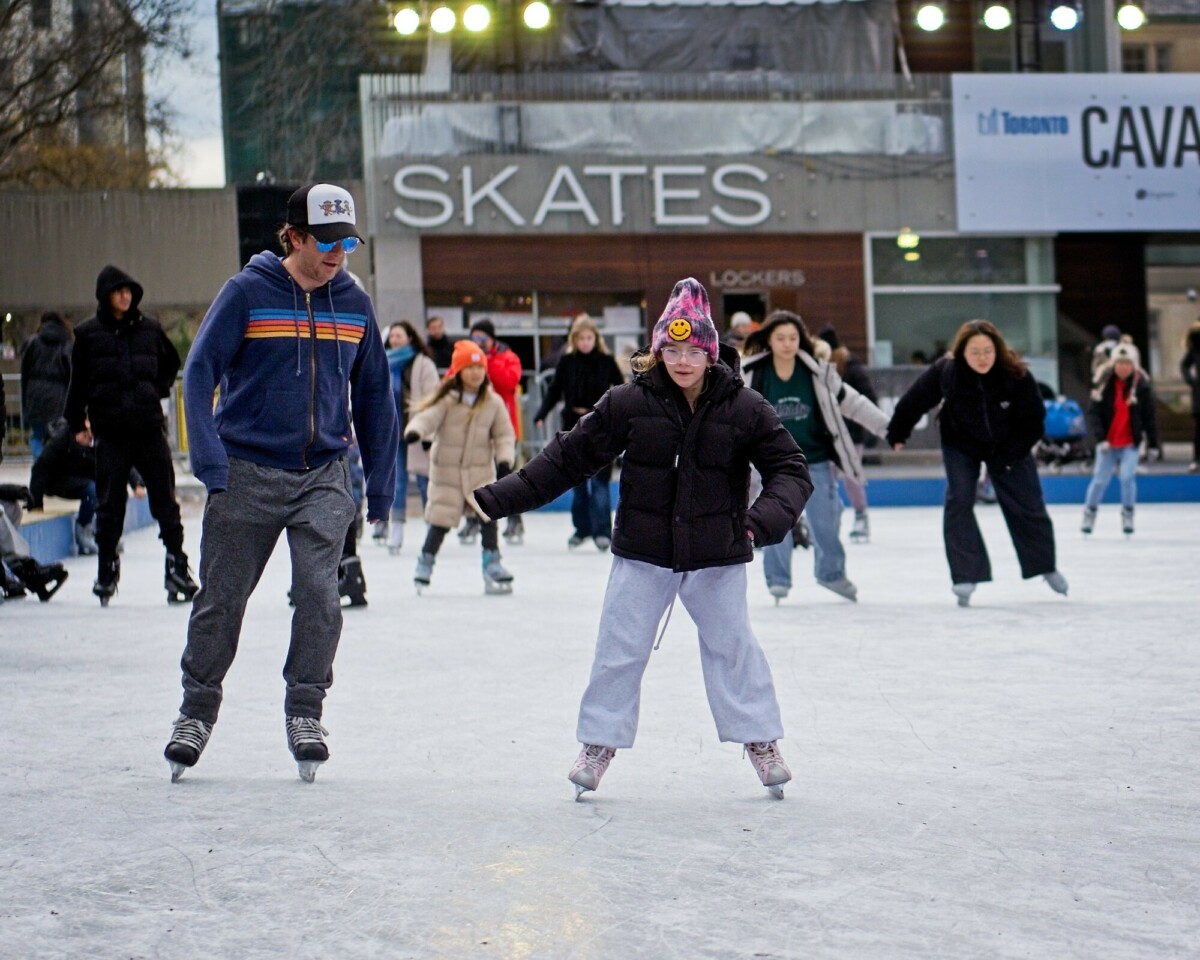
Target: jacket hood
269	266
113	278
53	332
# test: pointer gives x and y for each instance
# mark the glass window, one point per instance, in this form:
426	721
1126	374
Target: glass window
1133	58
943	261
1162	57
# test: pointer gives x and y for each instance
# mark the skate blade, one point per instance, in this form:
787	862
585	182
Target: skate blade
308	769
179	598
776	790
393	551
497	589
177	770
580	790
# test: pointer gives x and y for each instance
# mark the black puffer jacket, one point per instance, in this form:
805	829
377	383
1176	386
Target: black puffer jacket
121	369
580	379
685	477
45	372
996	417
1189	366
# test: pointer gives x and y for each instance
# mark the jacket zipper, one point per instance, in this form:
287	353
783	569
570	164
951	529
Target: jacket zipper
312	377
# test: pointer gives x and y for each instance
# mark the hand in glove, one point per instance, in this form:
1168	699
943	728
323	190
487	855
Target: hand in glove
503	469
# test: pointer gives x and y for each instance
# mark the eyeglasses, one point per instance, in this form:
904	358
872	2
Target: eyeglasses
674	355
349	244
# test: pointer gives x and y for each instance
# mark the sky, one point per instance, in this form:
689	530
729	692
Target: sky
193	89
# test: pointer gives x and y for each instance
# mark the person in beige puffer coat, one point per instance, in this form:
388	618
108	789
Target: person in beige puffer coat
471	442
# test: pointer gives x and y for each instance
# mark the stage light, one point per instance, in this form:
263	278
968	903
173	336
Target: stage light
476	17
536	15
931	16
406	21
1130	16
997	17
1065	16
442	20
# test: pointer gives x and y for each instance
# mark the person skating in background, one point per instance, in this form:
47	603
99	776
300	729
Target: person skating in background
1110	336
690	431
1124	425
740	327
504	375
585	371
854	373
991	413
441	346
813	404
122	367
1189	369
414	377
293	344
471	441
45	376
19	571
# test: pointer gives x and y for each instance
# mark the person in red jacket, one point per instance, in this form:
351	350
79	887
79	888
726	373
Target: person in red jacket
504	373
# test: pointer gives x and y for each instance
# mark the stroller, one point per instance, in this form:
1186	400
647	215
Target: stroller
1064	437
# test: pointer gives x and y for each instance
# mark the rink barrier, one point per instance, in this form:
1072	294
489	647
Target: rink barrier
53	538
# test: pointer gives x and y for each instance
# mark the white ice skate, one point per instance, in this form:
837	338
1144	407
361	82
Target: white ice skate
188	739
496	579
1088	523
424	572
768	763
306	740
395	538
861	531
589	767
1057	582
1127	521
963	591
778	591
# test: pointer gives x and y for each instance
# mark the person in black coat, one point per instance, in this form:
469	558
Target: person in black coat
123	366
45	374
690	430
992	413
1189	369
584	372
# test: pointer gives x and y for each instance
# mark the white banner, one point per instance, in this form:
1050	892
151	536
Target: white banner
1086	151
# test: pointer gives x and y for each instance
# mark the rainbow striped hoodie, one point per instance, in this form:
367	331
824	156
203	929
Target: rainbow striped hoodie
293	373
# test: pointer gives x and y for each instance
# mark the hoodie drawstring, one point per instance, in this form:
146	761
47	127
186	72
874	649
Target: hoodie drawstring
337	341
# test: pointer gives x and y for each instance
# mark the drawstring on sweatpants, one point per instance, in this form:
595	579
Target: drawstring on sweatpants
658	642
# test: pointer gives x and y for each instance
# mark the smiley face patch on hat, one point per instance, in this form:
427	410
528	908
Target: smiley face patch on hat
679	329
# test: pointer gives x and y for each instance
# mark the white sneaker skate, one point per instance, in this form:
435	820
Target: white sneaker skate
306	740
778	591
842	587
1088	524
768	762
379	533
1057	582
188	739
861	531
589	767
963	591
395	539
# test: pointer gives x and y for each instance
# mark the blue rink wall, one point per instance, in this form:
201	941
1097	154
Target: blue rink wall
53	538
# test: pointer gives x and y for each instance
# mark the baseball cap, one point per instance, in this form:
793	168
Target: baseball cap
325	210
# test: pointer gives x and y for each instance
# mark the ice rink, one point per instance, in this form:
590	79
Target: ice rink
1020	779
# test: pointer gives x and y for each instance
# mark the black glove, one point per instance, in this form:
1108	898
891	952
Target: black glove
503	469
412	436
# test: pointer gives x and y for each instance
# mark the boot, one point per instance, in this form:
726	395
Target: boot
178	580
424	572
514	530
379	533
589	767
395	538
108	574
351	582
188	739
44	579
85	540
306	740
11	586
496	579
469	531
1127	521
768	764
861	531
1088	524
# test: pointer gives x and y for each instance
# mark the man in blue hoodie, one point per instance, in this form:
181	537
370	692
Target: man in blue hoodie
292	349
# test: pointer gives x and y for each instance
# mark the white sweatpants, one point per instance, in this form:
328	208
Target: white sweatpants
737	677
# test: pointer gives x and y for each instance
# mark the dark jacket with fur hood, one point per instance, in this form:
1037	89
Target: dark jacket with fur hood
994	417
685	477
120	369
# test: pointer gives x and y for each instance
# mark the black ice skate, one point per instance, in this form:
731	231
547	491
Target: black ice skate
496	579
514	531
424	572
178	580
107	576
188	739
1127	521
306	740
43	579
469	532
351	582
12	587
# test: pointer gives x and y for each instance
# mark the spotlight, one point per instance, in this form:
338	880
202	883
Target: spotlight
908	240
1065	16
997	17
406	21
931	16
1130	16
912	256
442	20
536	15
476	17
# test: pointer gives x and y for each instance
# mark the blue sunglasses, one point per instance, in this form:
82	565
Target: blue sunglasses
350	244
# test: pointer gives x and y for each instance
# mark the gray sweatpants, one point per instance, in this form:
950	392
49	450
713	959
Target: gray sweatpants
241	527
737	678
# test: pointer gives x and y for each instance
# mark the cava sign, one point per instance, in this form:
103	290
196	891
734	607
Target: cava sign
564	197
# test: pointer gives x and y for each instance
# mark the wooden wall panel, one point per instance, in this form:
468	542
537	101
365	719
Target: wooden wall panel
833	291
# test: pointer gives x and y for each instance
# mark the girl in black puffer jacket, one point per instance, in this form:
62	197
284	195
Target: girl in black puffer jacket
991	413
689	430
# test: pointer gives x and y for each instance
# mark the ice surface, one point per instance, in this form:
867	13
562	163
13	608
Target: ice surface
1016	779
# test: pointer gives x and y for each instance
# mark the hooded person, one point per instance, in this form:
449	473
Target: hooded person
45	375
122	367
293	344
690	431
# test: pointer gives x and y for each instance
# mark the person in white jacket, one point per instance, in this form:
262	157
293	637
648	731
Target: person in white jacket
813	404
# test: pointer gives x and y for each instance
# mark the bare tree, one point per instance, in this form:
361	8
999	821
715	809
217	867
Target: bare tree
73	108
